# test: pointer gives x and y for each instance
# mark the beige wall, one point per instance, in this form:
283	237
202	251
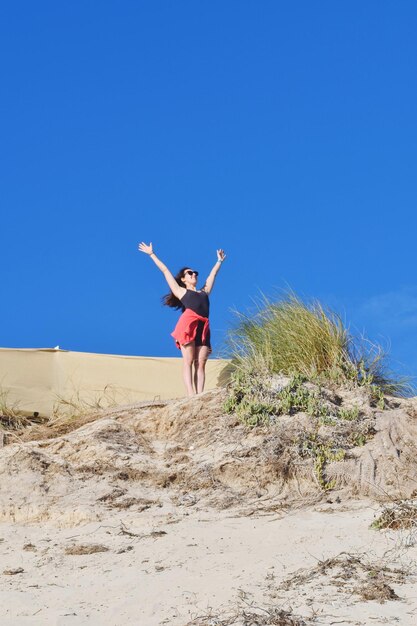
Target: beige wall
45	380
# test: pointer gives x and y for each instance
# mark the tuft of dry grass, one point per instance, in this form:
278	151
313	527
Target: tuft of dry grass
377	590
74	411
396	516
12	420
245	617
140	504
352	574
68	415
9	413
13	571
88	548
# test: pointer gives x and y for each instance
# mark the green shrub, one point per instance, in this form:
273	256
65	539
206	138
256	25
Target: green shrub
349	414
322	453
254	401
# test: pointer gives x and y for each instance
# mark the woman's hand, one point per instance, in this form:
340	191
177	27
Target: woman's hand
212	276
142	247
221	255
176	289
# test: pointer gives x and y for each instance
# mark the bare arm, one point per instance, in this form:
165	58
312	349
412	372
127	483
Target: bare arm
212	276
173	285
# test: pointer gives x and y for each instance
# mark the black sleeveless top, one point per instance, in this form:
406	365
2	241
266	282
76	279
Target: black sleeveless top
197	301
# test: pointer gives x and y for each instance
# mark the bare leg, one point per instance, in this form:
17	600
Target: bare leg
201	354
195	370
187	362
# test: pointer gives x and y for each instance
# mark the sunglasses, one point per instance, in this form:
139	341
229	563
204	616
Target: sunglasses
191	272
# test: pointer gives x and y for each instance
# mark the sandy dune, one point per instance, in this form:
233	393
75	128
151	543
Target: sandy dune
175	513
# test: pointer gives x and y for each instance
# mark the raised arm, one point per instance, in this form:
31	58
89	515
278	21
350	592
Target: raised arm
176	289
212	276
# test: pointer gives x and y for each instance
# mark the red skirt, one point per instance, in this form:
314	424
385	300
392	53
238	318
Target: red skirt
192	327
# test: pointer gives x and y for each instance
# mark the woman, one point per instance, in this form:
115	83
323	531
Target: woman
192	332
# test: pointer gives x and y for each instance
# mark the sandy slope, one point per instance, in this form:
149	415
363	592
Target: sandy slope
195	513
205	560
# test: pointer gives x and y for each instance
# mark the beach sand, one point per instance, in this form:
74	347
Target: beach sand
157	515
177	564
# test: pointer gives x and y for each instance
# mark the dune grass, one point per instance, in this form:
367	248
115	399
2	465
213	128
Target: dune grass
69	413
12	418
291	337
290	357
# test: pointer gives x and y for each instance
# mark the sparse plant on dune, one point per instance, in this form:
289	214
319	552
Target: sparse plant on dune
12	418
9	413
353	574
401	514
78	404
291	337
251	616
69	412
73	411
350	414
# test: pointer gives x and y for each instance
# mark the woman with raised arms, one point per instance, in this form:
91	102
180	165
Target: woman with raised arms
192	332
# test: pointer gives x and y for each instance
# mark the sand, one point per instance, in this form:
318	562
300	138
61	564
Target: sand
172	566
170	513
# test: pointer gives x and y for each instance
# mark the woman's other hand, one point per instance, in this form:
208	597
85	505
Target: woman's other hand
142	247
221	255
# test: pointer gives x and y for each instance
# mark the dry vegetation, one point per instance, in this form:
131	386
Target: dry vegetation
80	549
352	575
397	516
12	420
251	617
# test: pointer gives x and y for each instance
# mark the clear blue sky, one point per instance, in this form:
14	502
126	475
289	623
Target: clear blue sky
284	132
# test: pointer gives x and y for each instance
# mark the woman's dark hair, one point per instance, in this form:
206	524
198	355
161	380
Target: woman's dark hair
169	299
